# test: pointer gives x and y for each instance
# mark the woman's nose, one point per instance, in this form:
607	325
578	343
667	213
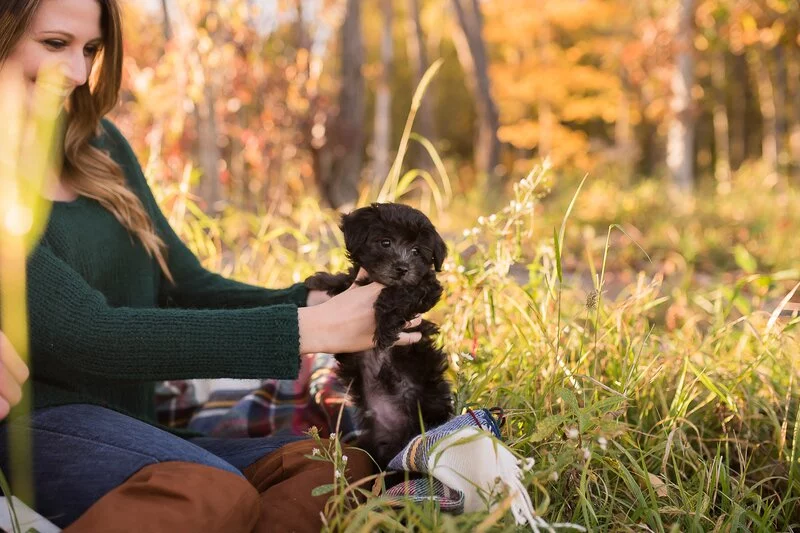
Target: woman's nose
76	70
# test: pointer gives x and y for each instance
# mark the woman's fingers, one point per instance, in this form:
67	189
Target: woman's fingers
11	361
407	338
13	373
10	390
413	322
410	337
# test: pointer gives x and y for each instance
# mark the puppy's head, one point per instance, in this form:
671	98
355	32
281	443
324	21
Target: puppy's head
395	243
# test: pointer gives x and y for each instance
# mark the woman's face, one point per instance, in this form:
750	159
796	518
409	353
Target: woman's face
65	33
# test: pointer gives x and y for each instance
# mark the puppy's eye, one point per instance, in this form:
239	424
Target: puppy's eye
386	243
415	251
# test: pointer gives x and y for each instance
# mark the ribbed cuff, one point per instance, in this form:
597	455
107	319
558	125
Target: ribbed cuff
298	294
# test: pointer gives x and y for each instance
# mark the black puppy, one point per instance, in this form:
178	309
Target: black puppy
393	385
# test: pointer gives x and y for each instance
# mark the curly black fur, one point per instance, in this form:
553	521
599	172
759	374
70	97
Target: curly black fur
394	387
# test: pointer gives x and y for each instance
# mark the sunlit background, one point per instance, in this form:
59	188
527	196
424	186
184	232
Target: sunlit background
618	185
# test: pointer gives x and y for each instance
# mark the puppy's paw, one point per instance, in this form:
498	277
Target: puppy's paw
387	331
333	284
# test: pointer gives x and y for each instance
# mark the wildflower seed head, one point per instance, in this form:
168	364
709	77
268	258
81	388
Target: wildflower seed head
315	451
603	442
344	459
592	299
554	476
586	454
528	465
572	433
332	436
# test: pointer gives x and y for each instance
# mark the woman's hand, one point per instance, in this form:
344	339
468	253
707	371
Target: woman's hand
316	297
346	322
13	373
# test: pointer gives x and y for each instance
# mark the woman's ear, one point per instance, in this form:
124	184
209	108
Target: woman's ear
439	252
355	227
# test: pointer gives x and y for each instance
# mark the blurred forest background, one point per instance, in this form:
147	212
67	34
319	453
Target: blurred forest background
617	182
645	349
269	98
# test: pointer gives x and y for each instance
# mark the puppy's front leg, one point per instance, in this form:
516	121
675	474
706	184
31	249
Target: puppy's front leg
333	284
392	311
425	295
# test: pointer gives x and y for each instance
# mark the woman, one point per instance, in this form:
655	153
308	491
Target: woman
13	373
117	302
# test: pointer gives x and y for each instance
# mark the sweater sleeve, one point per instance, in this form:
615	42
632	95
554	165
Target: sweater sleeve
194	287
73	325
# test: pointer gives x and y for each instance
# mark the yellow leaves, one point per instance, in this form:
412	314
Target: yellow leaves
779	6
588	108
572	15
770	36
523	134
585	79
204	42
567	145
707	14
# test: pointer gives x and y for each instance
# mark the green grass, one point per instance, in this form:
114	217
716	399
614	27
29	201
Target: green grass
667	402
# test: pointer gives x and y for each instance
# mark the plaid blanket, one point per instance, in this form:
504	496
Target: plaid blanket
467	468
414	458
257	408
453	463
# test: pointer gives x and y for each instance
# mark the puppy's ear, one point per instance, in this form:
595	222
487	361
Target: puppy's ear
439	251
355	226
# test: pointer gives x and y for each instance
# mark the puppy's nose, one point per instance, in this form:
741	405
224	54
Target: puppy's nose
401	270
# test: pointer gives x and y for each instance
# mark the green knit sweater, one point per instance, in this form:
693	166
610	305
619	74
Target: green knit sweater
105	324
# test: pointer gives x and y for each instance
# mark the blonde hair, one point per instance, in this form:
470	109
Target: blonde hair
86	169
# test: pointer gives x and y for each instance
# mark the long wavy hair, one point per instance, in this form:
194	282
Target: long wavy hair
86	169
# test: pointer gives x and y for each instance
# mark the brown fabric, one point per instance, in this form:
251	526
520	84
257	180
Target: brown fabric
174	497
285	479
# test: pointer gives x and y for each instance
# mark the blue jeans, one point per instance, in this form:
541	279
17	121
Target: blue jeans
81	452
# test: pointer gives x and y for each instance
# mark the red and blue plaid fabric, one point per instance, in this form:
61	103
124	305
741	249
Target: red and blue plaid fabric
292	407
273	407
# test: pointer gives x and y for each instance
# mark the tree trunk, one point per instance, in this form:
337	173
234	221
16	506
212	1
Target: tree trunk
680	136
722	164
738	112
472	55
793	86
418	56
623	131
546	116
766	101
779	97
210	154
167	24
338	155
383	100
